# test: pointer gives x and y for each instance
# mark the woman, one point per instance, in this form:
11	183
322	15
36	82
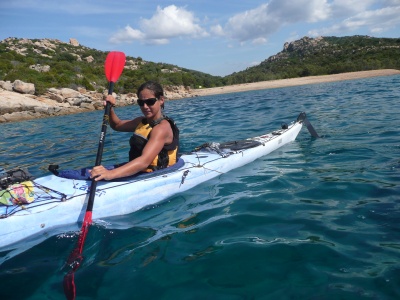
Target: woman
155	140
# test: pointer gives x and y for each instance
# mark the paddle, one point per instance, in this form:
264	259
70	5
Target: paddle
113	66
302	117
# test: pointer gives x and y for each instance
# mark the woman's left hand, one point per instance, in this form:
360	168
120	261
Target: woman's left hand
99	173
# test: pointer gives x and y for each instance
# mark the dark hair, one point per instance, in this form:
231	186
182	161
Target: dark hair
155	87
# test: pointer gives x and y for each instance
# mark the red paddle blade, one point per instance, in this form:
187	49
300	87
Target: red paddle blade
114	65
76	258
69	286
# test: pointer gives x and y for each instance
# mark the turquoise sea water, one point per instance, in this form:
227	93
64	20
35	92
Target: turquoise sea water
317	219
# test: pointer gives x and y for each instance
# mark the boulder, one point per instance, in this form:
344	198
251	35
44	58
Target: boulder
6	85
69	93
88	106
73	42
89	59
53	90
23	87
40	68
78	58
56	97
74	101
19	116
98	105
13	102
41	109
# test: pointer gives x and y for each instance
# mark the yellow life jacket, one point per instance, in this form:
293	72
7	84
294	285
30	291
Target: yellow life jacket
168	154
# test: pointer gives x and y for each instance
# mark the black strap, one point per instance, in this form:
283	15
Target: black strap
156	122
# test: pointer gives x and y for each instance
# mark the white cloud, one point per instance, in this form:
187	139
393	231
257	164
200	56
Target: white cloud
251	24
331	17
345	16
390	3
172	22
259	41
217	30
128	34
345	8
289	12
374	21
168	23
266	19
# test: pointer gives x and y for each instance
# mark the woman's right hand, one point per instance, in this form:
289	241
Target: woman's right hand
110	99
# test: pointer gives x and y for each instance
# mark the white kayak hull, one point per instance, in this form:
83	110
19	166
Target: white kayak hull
48	212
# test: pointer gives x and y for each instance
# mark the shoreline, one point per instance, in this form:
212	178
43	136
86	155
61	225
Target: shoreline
16	107
244	87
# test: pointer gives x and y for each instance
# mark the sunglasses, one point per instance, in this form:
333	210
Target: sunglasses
148	102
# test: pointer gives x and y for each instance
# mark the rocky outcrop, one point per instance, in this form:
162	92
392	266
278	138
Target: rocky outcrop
40	68
173	92
302	47
18	102
74	42
23	88
6	85
21	46
305	44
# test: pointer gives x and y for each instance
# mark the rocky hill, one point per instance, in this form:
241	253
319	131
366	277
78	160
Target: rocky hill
51	63
323	56
47	77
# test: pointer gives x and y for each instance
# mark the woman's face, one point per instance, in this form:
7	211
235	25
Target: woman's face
150	111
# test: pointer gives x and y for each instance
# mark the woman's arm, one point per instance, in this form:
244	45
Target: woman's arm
123	125
116	123
160	135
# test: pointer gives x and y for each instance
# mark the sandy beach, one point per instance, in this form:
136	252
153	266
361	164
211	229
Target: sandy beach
293	82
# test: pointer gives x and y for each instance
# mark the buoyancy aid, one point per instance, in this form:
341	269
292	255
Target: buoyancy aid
169	153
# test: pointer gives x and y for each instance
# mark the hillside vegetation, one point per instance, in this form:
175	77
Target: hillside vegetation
324	56
51	63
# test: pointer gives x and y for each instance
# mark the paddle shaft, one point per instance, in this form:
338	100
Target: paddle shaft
114	65
75	258
100	148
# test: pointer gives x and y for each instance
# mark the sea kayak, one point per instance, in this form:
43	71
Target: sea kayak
58	201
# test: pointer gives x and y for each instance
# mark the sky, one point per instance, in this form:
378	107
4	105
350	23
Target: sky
212	36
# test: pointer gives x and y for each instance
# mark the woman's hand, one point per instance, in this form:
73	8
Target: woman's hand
110	99
99	173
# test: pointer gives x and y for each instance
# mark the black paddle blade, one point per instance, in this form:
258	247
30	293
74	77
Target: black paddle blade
311	129
303	118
